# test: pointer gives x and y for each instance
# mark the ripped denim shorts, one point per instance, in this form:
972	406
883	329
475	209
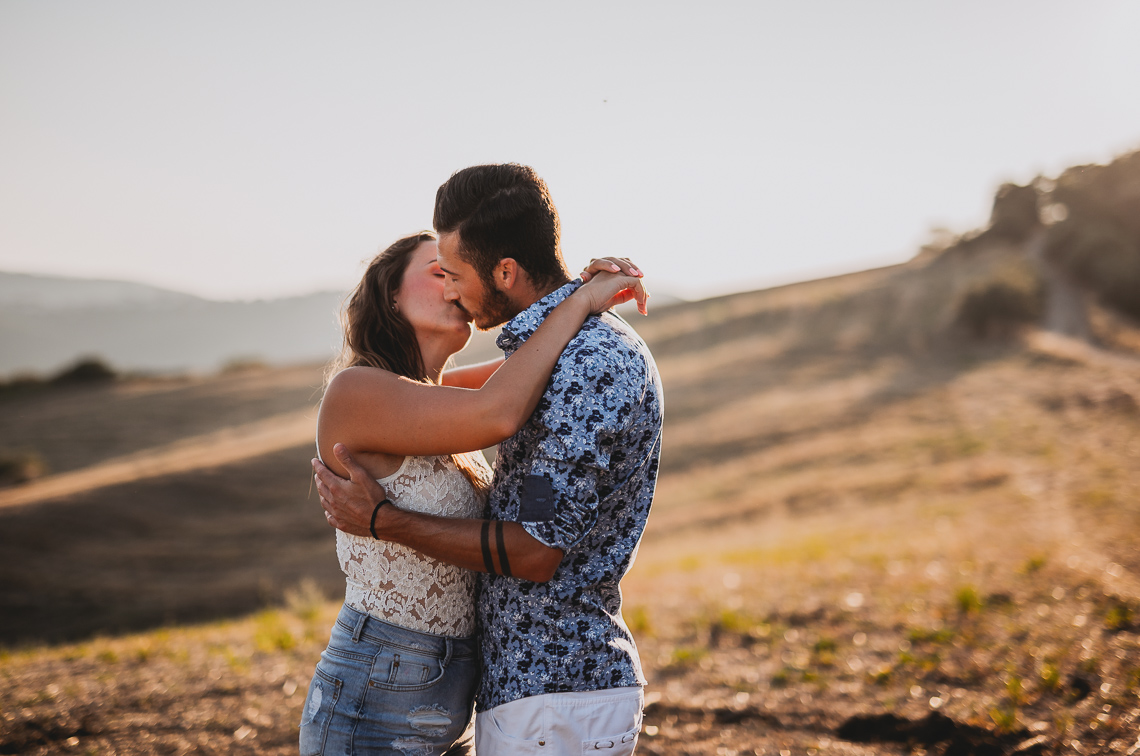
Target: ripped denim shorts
383	689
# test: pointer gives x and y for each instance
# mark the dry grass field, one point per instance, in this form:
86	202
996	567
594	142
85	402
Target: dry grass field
872	535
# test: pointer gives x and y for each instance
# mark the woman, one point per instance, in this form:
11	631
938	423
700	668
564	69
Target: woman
400	671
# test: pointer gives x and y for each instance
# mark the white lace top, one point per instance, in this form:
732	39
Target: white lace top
402	586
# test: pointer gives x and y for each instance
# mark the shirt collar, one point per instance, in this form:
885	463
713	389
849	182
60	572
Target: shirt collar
520	328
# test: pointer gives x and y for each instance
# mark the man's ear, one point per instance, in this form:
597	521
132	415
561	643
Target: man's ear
506	274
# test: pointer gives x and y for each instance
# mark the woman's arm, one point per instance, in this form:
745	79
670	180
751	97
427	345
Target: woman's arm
368	409
471	376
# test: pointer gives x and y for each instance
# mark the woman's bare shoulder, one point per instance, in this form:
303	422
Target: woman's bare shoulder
352	382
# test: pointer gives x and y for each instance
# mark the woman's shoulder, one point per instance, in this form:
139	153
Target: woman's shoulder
351	382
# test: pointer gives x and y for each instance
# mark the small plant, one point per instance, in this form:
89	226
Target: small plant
237	662
781	678
939	637
997	308
882	675
689	564
1015	689
731	621
272	634
685	658
968	601
1050	677
1033	565
1118	617
1132	679
21	467
305	600
825	644
1004	716
638	620
823	651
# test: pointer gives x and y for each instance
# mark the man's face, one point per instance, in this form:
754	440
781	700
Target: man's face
466	289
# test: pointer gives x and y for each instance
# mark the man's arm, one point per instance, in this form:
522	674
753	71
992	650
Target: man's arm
503	548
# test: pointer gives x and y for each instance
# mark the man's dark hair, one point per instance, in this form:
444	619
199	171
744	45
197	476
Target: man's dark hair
503	211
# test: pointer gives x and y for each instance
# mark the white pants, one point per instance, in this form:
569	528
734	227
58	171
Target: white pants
563	724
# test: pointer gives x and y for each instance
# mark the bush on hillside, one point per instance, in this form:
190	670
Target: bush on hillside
1001	305
1014	215
87	371
1102	256
24	383
1098	243
1106	193
20	467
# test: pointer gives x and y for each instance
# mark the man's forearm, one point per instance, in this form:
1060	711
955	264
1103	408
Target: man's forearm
471	544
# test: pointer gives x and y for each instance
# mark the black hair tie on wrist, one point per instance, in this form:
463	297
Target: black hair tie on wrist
372	524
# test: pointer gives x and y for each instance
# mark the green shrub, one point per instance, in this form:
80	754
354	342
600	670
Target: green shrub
1014	214
1050	677
1118	617
87	371
967	600
21	467
999	306
1102	256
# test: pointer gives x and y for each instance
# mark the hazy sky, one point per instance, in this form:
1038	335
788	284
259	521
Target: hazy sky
252	149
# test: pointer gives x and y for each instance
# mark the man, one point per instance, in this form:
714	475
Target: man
571	491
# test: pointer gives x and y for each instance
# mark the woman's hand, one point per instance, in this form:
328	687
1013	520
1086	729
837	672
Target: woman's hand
610	270
606	289
610	264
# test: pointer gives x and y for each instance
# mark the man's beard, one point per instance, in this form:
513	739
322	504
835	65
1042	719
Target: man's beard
495	309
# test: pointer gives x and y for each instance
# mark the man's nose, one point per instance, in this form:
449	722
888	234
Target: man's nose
450	294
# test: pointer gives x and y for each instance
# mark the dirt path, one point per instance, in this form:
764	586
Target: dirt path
222	447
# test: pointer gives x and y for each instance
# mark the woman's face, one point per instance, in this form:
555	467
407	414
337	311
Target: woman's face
420	300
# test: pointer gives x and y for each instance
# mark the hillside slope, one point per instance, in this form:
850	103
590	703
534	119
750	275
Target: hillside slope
873	533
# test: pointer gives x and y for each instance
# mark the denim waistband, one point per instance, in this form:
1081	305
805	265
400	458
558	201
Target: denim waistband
364	627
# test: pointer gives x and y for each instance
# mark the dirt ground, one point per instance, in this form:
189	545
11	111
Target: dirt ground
857	547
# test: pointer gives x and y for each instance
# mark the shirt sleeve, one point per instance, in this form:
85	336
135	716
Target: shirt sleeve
587	405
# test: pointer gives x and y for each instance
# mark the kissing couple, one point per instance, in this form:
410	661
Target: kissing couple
467	589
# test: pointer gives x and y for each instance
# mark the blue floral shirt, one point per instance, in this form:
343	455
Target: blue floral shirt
579	476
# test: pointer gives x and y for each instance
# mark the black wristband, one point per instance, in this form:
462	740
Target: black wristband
500	543
372	524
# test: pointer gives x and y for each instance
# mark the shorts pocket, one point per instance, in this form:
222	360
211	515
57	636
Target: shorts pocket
324	691
404	668
502	743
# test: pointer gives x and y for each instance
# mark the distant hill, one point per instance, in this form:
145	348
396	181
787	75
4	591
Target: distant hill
48	321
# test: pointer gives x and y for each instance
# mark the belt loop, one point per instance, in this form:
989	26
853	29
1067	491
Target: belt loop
359	627
447	655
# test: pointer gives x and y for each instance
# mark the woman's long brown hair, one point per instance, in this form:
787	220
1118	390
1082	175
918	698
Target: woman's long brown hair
377	335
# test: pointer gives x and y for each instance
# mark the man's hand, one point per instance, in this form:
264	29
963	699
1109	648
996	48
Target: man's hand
349	504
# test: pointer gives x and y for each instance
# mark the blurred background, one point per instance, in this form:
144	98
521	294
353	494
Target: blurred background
264	150
895	256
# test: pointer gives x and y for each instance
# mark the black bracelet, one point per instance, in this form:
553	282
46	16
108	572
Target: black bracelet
501	545
485	543
372	524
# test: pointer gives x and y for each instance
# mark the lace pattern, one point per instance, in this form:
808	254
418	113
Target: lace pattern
399	585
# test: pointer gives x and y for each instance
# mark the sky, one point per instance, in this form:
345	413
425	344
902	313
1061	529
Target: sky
266	148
